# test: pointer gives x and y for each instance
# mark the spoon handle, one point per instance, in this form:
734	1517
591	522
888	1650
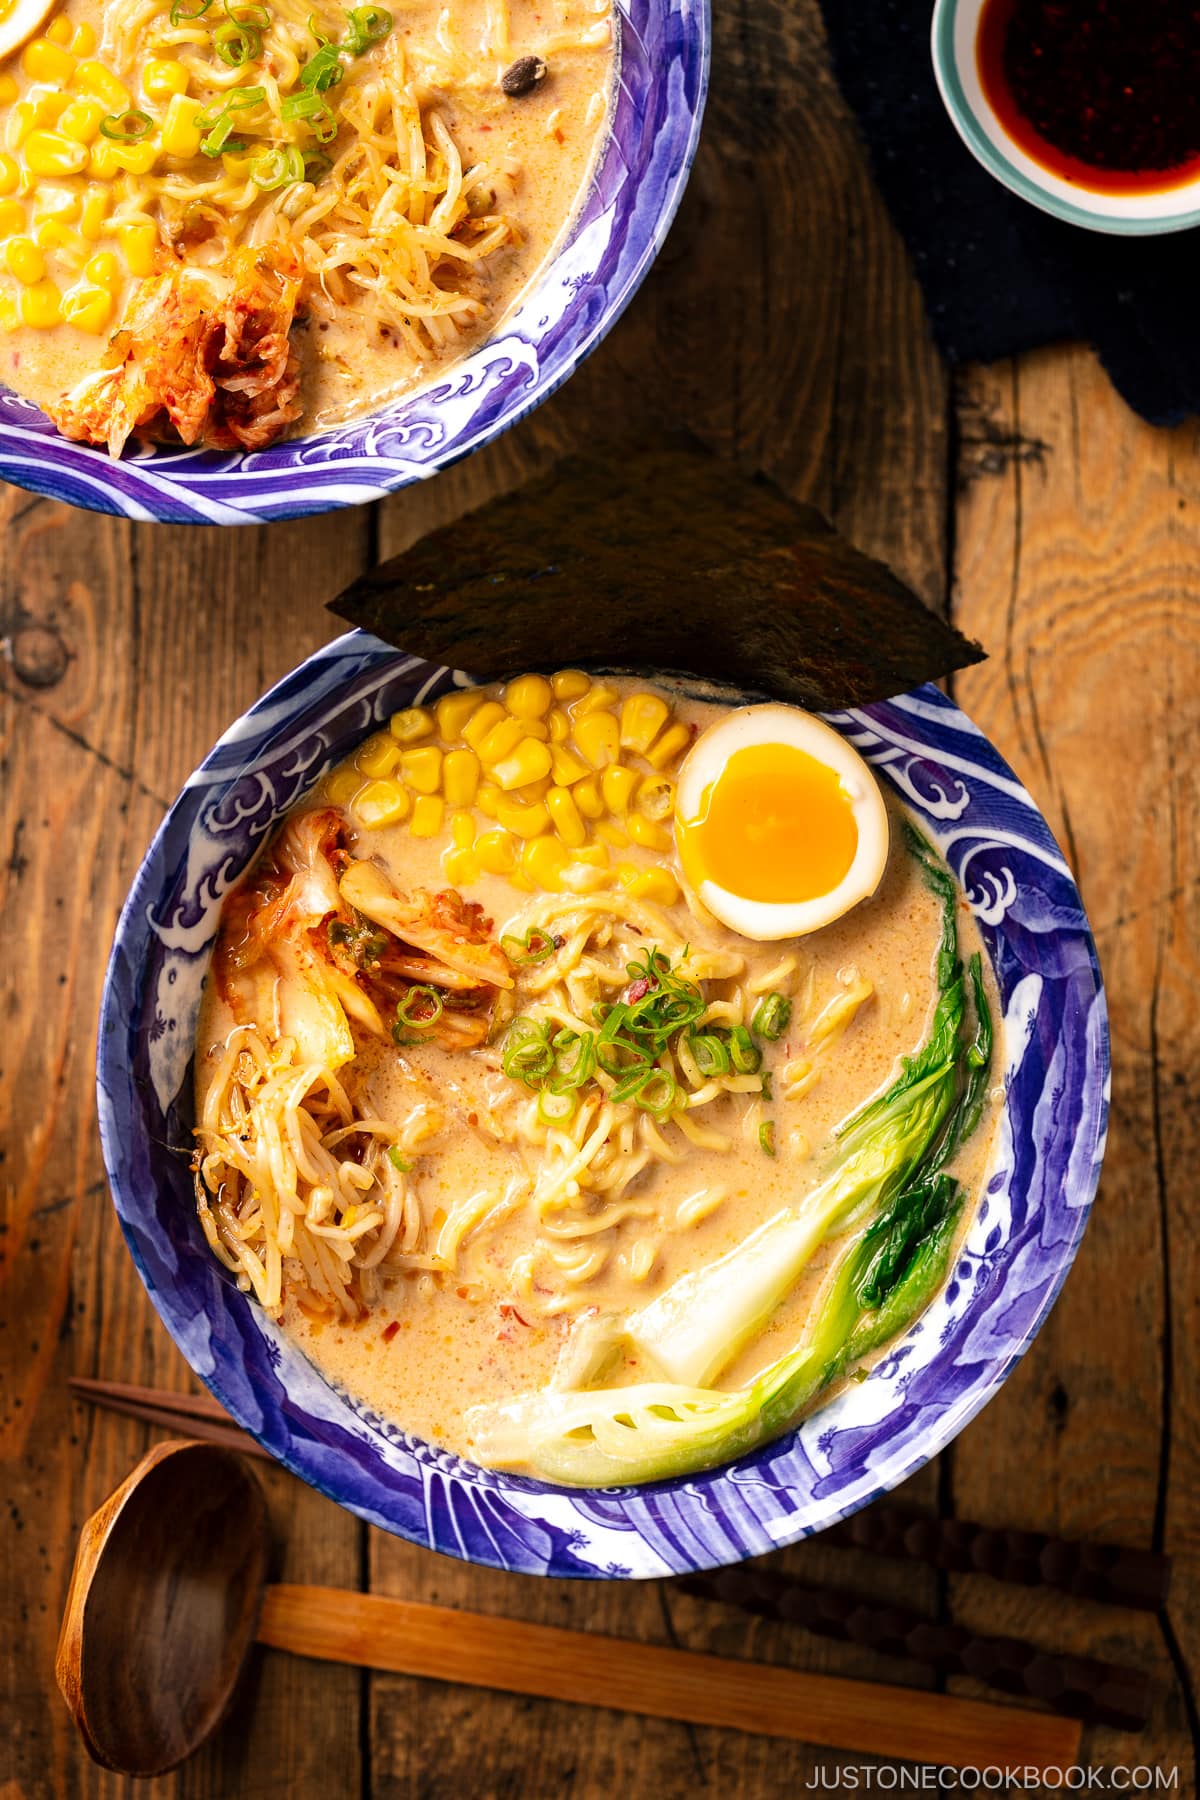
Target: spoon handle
480	1650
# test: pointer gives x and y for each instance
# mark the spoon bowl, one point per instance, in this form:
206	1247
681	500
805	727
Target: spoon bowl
163	1606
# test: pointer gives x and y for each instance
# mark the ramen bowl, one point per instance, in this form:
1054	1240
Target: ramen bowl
870	1436
631	199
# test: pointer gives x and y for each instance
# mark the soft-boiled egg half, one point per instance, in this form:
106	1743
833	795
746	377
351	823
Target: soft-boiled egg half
780	824
19	19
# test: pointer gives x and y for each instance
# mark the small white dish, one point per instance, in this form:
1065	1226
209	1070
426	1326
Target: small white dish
955	29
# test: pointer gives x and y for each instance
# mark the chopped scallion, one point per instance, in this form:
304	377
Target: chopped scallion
771	1016
278	168
766	1136
128	127
534	946
745	1053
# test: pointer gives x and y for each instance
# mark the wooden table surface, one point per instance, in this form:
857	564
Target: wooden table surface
781	321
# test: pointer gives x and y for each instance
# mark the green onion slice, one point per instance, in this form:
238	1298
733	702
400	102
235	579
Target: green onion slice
766	1136
658	1093
771	1016
535	946
744	1052
556	1109
571	1072
710	1054
128	127
316	166
528	1054
278	168
182	14
420	1008
237	45
366	25
324	70
253	15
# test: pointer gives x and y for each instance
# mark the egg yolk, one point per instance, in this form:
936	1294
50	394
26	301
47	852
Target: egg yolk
776	825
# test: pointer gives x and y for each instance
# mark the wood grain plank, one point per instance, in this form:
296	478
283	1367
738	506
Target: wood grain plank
129	649
1078	564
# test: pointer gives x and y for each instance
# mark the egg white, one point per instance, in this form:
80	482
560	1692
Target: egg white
21	23
774	724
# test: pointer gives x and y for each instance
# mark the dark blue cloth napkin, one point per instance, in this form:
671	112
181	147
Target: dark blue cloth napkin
998	275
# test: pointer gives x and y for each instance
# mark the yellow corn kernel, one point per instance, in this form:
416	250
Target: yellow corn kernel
20	122
422	768
102	161
46	61
82	40
529	761
87	308
181	130
80	120
105	271
569	684
10	175
566	817
138	159
462	829
521	818
497	852
565	766
656	797
102	84
647	832
41	304
381	803
8	89
597	738
481	722
380	754
341	785
462	866
543	859
164	76
96	203
50	153
24	260
12	217
59	30
428	812
674	739
62	203
560	725
611	834
487	798
500	741
587	797
586	878
642	718
52	234
658	885
453	711
460	776
411	725
528	697
48	105
595	700
617	784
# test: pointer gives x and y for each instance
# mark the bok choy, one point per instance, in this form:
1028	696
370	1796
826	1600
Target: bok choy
884	1191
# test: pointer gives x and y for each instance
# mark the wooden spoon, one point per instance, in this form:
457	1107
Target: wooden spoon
169	1592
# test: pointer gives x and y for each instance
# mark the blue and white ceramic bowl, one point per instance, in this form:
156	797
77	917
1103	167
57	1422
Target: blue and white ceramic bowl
1020	1245
663	48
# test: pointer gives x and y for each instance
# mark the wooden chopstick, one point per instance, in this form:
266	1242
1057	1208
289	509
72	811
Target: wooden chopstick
197	1415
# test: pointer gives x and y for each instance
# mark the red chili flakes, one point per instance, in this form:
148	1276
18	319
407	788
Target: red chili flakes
389	1331
508	1311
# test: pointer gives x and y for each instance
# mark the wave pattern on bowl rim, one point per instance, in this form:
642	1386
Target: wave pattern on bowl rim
628	209
1015	1257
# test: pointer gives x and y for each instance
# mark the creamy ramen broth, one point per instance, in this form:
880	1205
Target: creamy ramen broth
358	301
489	1320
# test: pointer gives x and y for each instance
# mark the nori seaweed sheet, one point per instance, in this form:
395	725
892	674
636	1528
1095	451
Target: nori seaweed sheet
659	558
